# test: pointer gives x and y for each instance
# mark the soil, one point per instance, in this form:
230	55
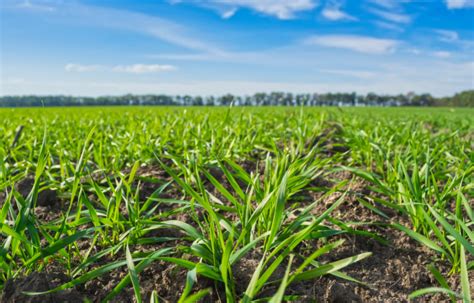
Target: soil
49	204
168	280
391	273
40	281
46	197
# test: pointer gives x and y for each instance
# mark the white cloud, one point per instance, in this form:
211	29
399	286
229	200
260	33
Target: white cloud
333	12
442	54
157	27
143	68
133	68
389	26
73	12
73	67
447	36
229	13
391	16
362	44
389	4
458	4
281	9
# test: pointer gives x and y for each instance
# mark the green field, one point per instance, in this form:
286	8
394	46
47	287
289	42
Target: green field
173	204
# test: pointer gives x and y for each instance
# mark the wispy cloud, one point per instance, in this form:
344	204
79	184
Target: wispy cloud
362	44
161	28
388	4
391	16
389	26
80	68
442	54
133	69
157	27
458	4
281	9
332	11
447	36
394	79
392	5
36	6
143	68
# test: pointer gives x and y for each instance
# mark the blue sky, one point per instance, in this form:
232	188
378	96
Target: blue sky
112	47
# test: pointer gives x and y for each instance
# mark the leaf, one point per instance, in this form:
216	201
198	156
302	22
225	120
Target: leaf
191	278
452	231
278	211
278	297
154	297
430	290
331	267
188	229
58	245
465	285
133	171
420	238
208	271
236	256
197	296
441	280
139	268
133	275
320	251
84	278
249	292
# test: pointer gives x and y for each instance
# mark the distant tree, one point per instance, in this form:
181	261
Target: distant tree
465	98
198	101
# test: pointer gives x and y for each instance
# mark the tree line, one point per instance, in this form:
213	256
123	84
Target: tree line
465	98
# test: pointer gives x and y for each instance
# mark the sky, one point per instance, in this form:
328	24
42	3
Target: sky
214	47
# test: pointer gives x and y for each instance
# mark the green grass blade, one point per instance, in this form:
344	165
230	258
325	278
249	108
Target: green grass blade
278	297
331	267
133	275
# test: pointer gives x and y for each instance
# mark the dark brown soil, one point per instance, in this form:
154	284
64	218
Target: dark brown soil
166	279
49	205
42	281
46	197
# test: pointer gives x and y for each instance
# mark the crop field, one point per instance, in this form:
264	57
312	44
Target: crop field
234	204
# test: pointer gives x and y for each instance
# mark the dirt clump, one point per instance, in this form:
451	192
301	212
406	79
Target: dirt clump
46	197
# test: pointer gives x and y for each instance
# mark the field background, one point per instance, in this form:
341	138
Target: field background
390	190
